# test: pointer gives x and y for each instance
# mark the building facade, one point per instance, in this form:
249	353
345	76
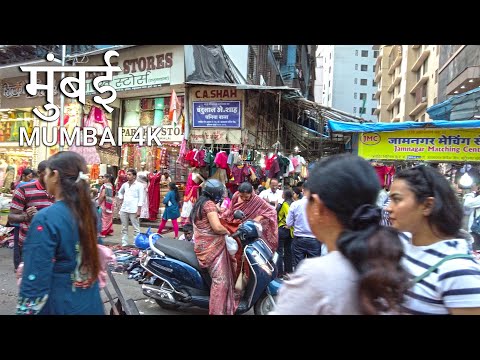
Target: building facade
459	70
407	81
348	83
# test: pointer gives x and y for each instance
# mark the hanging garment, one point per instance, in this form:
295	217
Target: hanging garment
159	107
132	113
154	195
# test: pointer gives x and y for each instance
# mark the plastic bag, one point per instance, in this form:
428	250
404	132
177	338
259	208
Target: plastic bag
232	245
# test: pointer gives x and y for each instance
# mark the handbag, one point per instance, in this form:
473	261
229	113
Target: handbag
241	282
475	228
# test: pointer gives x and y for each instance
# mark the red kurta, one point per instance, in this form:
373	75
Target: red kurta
154	195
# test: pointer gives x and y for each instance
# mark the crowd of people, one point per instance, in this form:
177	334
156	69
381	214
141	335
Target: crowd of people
345	245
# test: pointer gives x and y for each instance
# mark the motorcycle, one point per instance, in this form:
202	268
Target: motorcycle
179	279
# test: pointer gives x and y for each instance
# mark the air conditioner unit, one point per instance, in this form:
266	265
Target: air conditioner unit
277	48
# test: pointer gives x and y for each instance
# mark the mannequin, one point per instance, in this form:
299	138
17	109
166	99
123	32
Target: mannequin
153	194
142	178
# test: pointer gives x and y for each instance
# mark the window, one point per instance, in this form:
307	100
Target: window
355	81
354	95
436	76
363	82
329	84
363	96
373	68
374	83
329	69
330	55
323	86
373	111
356	54
364	68
373	96
364	53
375	53
356	66
362	110
354	109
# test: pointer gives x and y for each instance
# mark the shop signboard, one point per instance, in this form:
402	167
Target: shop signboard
168	133
215	136
425	144
217	114
134	81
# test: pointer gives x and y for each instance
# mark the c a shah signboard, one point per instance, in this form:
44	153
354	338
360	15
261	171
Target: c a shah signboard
430	145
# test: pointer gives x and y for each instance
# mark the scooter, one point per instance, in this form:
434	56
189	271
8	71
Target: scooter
181	281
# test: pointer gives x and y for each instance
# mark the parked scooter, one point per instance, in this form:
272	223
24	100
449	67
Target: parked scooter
181	281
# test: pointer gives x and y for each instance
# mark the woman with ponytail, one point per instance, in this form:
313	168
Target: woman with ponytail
362	273
61	260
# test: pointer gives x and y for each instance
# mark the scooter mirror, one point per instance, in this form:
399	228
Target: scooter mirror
238	214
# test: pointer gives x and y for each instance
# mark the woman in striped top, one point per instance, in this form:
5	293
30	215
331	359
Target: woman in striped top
424	205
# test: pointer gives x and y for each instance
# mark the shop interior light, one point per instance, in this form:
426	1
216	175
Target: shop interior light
466	180
296	148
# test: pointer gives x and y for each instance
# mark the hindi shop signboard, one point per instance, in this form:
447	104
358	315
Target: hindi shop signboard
431	145
218	114
134	81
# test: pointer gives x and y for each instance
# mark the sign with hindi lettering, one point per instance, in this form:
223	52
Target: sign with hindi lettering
134	81
429	144
217	114
215	136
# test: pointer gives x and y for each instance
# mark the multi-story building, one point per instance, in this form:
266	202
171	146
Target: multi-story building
407	81
348	82
459	70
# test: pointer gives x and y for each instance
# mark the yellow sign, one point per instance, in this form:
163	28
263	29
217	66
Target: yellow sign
426	144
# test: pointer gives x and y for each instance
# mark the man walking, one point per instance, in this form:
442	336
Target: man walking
304	243
273	195
27	200
133	197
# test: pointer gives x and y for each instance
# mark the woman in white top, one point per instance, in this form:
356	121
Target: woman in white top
361	274
424	205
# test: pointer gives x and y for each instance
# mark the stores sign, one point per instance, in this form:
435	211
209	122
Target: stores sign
168	133
134	81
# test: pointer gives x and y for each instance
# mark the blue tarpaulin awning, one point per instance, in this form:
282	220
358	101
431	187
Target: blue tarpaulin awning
458	107
348	127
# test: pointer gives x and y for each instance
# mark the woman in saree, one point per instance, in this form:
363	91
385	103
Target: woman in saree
211	250
254	208
105	200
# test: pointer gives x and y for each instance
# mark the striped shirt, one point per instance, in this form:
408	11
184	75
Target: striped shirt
30	194
454	284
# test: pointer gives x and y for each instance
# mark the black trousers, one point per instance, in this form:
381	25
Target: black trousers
284	250
17	249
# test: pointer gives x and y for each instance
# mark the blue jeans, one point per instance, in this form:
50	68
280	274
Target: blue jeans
303	247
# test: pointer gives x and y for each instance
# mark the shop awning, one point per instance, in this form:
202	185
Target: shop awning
459	107
348	127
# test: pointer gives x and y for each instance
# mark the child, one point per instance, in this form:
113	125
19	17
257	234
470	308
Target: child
187	233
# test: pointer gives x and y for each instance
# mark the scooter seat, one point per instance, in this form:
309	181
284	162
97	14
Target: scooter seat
180	250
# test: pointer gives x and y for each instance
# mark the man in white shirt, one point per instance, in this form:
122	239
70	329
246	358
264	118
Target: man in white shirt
133	197
471	205
272	195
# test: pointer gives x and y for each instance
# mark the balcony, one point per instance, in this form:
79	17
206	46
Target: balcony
422	104
394	102
395	82
377	111
423	80
421	59
378	75
378	93
378	62
396	55
416	46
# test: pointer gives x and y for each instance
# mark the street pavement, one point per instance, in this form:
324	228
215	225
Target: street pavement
130	288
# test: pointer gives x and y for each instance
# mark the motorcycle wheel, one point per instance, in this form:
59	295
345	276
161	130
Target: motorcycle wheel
162	304
263	306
